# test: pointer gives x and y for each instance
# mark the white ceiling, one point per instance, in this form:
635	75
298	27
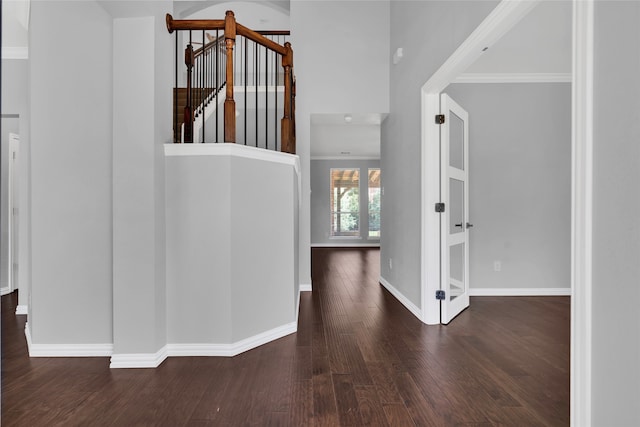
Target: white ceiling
540	44
333	136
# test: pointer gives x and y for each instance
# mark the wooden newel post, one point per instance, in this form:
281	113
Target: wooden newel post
287	145
229	102
188	109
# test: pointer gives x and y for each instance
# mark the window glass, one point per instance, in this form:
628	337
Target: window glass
374	203
345	202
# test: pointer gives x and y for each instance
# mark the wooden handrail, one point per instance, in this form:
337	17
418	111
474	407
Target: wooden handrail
193	24
207	46
231	30
260	39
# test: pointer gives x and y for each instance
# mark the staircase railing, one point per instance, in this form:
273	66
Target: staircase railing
251	70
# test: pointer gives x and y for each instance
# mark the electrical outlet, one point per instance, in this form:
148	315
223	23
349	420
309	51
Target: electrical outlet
390	264
497	266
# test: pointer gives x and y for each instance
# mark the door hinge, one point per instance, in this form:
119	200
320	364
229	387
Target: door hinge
439	119
440	295
439	207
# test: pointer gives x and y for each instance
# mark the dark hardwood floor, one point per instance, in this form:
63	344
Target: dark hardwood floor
358	358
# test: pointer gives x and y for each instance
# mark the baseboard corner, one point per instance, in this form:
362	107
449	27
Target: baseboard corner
414	309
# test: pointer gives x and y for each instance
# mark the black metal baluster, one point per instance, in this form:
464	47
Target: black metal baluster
217	82
266	97
188	127
275	91
204	72
175	98
246	76
257	83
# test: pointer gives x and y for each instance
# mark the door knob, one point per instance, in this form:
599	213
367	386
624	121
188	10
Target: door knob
458	225
469	225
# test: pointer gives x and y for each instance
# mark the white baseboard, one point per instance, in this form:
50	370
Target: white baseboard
519	292
153	360
22	309
228	350
5	291
305	287
403	300
139	360
66	350
345	245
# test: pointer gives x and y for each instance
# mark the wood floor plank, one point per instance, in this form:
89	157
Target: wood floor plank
359	358
301	413
398	416
347	402
371	410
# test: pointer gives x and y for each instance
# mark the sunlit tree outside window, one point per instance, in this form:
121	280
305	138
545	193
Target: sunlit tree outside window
345	202
374	203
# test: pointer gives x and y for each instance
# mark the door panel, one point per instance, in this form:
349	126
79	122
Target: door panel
454	179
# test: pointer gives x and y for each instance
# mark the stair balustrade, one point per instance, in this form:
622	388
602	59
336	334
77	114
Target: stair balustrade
240	61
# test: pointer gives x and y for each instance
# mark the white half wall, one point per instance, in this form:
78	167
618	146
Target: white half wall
231	246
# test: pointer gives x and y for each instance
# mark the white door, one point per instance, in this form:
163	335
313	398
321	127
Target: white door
454	224
14	144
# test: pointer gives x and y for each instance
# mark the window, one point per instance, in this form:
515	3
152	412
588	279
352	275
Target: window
345	202
374	203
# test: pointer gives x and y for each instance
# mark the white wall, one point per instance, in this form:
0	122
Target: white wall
616	210
342	64
230	244
321	203
141	125
252	15
99	124
71	101
428	32
520	183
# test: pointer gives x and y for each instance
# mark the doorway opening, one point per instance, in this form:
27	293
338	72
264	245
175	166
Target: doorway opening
498	23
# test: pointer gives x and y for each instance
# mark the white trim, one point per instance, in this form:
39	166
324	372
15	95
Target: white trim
139	360
345	157
15	52
518	292
237	150
504	17
13	206
582	211
345	245
305	287
66	350
403	300
22	309
513	78
229	350
430	220
5	291
230	149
